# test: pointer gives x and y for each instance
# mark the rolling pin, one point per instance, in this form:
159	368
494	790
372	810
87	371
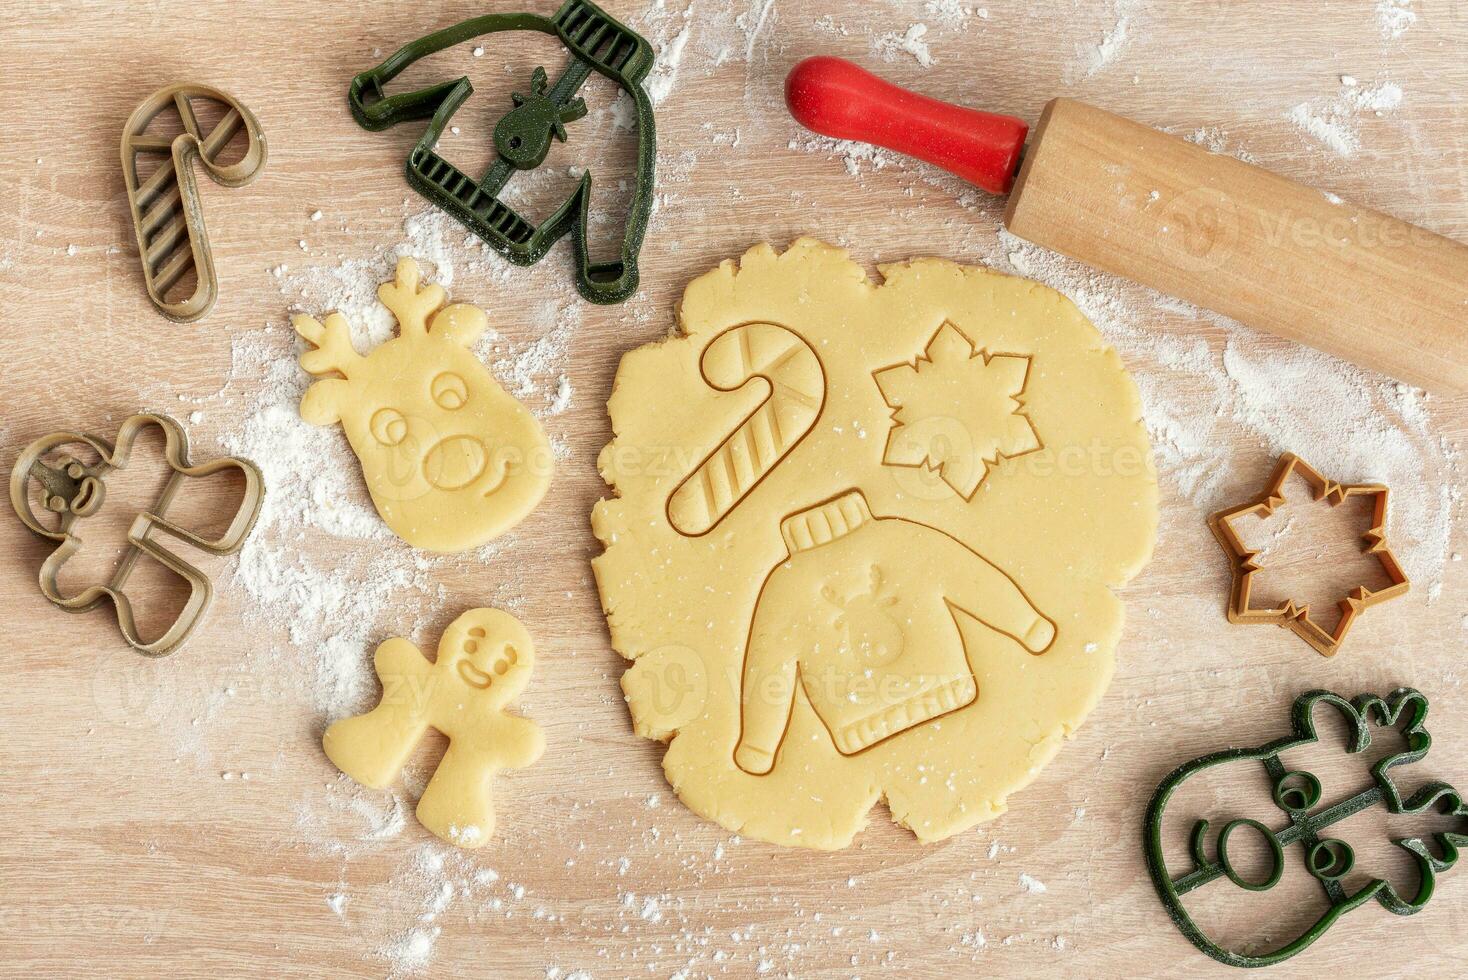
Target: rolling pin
1207	228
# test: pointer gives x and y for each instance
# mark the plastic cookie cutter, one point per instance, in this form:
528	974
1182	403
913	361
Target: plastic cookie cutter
1299	797
167	217
1291	615
522	138
75	490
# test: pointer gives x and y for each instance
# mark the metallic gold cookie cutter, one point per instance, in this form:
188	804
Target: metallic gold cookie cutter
75	490
167	218
1289	615
597	42
1308	816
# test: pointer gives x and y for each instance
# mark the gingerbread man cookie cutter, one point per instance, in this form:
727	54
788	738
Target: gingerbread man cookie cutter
484	662
167	217
75	490
1289	614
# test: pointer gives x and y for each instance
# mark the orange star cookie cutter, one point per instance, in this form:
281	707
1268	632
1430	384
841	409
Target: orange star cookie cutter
1291	615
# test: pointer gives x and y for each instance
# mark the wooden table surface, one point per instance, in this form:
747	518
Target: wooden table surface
131	841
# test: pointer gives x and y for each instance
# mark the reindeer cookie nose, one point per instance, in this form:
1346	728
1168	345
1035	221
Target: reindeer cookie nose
455	462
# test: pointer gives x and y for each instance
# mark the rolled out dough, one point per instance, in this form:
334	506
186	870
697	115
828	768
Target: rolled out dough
865	537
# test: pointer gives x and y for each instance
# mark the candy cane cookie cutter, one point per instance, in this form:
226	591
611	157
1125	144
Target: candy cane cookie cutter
74	490
167	218
1289	614
763	438
597	42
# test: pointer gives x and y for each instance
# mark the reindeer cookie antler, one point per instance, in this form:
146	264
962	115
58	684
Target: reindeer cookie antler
451	459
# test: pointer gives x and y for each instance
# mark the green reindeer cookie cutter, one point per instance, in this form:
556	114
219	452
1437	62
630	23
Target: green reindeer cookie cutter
1298	793
73	491
522	138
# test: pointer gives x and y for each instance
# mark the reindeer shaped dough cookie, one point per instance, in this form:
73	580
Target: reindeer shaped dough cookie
451	459
483	664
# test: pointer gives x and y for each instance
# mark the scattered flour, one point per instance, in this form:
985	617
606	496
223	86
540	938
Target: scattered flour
412	951
753	23
1333	122
523	371
889	46
1098	56
1359	426
951	14
664	72
1394	17
327	606
562	399
349	819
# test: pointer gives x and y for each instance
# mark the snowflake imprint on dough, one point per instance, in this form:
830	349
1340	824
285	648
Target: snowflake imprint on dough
957	410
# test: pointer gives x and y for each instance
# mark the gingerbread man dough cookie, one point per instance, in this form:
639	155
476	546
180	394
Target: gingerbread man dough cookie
484	662
865	539
451	459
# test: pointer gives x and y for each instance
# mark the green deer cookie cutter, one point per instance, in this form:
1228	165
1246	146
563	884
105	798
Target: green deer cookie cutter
1297	793
522	138
75	490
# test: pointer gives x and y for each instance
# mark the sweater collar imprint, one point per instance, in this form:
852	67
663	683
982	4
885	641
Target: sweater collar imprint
825	522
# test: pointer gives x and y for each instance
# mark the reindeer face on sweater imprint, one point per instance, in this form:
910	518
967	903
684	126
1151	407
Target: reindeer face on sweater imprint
870	635
863	539
450	458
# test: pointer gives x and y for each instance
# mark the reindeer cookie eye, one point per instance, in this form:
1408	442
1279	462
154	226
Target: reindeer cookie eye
449	391
389	427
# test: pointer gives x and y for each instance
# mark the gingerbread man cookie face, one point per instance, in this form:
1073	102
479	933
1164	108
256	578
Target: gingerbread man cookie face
487	651
865	537
450	458
483	665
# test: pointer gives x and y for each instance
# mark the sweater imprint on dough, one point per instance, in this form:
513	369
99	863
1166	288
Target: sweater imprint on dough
862	617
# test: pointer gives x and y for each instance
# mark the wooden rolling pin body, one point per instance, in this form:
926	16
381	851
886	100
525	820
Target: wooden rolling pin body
1247	243
1210	229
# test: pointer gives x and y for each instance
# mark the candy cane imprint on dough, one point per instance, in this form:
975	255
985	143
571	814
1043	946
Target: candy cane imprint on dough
788	364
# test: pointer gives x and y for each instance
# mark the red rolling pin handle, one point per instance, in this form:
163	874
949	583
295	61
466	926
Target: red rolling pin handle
835	98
